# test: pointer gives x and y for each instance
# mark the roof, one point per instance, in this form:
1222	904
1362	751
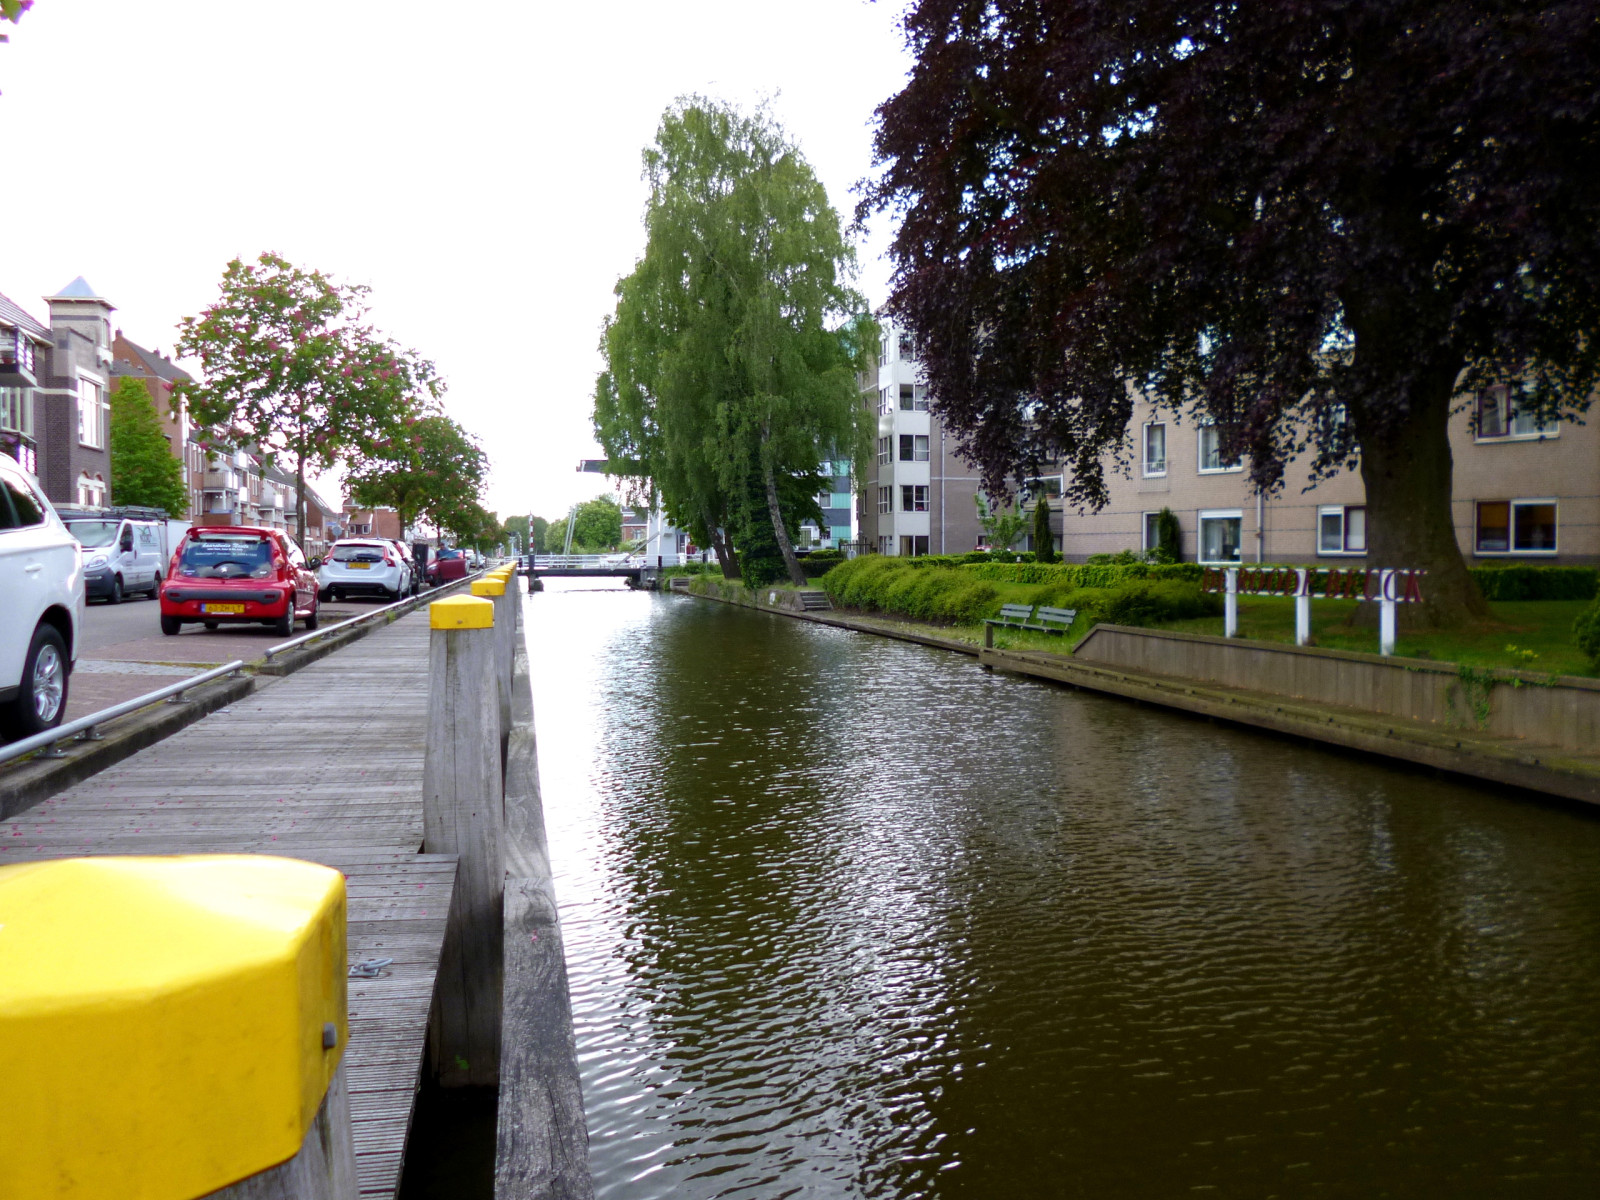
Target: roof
154	362
12	313
79	289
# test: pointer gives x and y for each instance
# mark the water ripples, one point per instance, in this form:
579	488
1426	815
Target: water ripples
846	917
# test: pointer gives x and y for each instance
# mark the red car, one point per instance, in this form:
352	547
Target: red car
239	575
446	565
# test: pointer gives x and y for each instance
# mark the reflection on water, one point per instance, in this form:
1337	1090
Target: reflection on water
848	917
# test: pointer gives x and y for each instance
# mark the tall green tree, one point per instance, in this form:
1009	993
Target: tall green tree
1002	525
1314	224
735	341
432	469
293	371
144	470
1044	542
598	525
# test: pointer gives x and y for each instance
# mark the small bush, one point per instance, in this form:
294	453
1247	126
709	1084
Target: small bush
1586	631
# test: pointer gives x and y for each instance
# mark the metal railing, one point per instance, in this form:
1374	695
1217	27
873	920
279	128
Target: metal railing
85	729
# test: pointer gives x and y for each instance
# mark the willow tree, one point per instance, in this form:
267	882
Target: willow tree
734	345
1313	224
293	371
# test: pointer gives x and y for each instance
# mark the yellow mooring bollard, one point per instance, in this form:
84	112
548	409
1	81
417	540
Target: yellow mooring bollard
168	1026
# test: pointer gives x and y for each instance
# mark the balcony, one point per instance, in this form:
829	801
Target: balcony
16	360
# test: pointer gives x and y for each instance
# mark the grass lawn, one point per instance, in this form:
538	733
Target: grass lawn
1535	635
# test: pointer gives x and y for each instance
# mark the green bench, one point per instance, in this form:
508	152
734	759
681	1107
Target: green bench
1024	616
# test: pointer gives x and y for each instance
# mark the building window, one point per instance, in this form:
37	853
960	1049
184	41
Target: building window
1221	533
91	492
913	447
908	348
1516	527
1211	452
908	398
16	410
913	497
1152	531
1048	486
91	414
885	451
1342	529
1501	418
884	500
885	544
1155	448
885	402
914	546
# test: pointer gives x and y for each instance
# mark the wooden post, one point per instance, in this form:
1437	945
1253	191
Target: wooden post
493	589
1302	607
462	801
194	1012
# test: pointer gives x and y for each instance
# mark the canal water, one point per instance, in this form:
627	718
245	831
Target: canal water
850	917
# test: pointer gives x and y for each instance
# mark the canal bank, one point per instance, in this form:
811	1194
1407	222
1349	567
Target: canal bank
845	917
1508	728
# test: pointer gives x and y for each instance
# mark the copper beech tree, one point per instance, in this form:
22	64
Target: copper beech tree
292	371
1319	224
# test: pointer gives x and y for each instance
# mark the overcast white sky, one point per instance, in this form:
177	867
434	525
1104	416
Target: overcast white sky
476	164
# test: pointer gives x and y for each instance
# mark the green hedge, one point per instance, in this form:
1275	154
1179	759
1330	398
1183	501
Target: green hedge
1086	574
1537	583
880	583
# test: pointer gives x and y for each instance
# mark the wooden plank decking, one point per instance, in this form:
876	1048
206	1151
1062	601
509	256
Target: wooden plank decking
324	765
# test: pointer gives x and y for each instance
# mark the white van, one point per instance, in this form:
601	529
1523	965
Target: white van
41	606
124	550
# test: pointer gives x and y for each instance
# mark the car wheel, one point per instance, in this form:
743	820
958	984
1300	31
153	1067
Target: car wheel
391	597
170	626
284	625
325	594
42	698
116	590
311	619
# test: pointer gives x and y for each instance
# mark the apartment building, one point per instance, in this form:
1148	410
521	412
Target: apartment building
838	528
55	411
915	496
1523	491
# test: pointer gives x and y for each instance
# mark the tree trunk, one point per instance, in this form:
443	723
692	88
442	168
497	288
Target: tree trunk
790	562
726	558
300	495
1406	467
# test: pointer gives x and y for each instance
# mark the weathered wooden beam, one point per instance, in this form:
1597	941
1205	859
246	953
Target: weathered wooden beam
542	1139
462	813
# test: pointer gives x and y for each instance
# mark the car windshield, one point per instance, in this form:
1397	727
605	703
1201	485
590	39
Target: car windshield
357	553
225	556
91	534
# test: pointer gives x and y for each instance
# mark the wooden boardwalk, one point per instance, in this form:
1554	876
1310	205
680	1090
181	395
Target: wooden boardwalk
325	765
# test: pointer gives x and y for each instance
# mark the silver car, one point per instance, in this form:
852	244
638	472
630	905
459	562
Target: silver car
365	567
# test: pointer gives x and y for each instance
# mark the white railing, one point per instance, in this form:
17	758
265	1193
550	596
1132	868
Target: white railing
619	561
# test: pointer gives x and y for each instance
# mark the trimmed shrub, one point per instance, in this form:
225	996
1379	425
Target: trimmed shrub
1586	631
1532	582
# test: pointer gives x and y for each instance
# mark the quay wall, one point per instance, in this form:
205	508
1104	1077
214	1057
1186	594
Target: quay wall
1562	711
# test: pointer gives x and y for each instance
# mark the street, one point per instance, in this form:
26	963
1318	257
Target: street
124	653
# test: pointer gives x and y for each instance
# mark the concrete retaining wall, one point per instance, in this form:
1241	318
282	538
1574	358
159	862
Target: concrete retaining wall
1559	711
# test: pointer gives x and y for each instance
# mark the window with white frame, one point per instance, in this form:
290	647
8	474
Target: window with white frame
885	451
1049	486
1211	460
885	543
913	447
908	348
1342	529
1516	527
1502	418
913	497
91	489
919	397
1221	535
1152	531
885	401
1155	448
16	410
885	500
91	414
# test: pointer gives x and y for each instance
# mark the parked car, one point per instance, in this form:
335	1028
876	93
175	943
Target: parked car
41	606
238	574
121	553
413	572
446	565
365	567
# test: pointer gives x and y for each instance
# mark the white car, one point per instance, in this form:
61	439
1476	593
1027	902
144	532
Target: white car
41	606
364	567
